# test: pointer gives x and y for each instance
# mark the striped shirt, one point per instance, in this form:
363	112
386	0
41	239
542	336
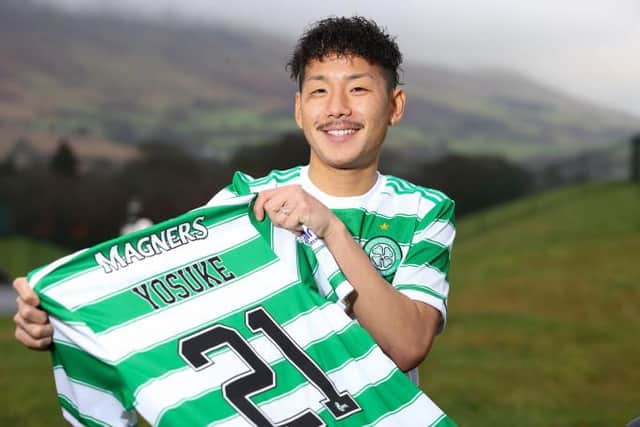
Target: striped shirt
406	230
197	321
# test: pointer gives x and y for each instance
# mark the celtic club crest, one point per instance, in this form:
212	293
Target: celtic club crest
384	253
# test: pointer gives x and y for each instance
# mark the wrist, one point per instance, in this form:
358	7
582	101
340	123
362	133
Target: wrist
335	229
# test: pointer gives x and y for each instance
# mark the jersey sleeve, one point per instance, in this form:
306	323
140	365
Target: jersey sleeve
90	391
330	281
423	273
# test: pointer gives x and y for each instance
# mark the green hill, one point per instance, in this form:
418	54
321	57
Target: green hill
218	88
544	313
18	255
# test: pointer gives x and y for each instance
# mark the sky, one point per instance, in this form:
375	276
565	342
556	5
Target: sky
589	49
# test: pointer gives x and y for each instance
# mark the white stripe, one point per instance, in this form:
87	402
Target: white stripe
431	300
234	201
441	232
426	298
70	418
422	409
327	266
96	284
79	336
422	275
343	290
402	205
322	282
401	185
220	196
187	383
225	197
146	332
90	401
51	267
285	246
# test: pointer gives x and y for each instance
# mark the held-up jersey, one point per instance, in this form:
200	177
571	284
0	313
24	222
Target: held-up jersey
196	321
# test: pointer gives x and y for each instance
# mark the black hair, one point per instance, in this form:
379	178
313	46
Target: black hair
342	36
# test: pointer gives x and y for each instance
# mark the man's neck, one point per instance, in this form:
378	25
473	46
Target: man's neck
342	182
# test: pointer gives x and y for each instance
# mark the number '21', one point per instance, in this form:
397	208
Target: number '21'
194	349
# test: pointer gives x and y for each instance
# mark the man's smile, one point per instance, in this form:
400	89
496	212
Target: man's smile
340	129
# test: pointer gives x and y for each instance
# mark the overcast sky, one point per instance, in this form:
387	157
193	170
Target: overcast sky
588	48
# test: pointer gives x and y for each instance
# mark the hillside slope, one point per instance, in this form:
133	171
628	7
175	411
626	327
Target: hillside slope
18	255
217	88
544	315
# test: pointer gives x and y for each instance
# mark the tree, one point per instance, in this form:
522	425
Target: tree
475	182
64	162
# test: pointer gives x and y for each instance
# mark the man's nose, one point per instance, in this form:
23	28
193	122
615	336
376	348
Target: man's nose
338	105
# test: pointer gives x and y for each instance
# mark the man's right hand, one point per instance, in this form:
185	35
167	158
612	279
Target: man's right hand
32	324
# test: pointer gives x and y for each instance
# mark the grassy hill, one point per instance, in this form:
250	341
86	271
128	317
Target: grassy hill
18	255
543	319
217	88
544	315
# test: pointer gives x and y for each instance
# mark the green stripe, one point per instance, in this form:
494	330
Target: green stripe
421	288
73	410
397	410
84	368
429	253
330	353
126	306
402	186
387	396
57	310
336	279
444	211
367	225
444	421
280	176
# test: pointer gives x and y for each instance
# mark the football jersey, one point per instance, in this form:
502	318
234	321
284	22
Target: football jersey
197	321
406	230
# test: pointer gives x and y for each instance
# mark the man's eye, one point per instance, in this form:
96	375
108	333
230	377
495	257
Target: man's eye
359	89
318	91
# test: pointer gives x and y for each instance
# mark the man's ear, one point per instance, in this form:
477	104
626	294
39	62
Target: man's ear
297	111
398	101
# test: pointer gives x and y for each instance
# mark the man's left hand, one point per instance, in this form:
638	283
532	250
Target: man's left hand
291	207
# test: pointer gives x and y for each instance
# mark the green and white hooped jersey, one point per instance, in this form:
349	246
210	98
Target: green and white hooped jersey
406	230
196	321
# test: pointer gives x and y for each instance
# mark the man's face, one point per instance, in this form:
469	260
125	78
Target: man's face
344	109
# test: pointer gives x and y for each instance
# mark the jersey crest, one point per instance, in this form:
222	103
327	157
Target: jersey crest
385	254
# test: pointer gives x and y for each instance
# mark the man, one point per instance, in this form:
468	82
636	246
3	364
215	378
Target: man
391	239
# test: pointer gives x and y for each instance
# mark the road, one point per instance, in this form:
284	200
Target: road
7	300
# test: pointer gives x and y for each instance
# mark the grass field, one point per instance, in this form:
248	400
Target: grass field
543	328
544	313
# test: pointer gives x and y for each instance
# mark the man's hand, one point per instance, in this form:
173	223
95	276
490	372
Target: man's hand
32	325
291	207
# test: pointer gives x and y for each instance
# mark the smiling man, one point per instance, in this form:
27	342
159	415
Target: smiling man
391	238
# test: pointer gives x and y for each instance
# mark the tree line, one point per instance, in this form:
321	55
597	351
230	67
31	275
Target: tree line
55	203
